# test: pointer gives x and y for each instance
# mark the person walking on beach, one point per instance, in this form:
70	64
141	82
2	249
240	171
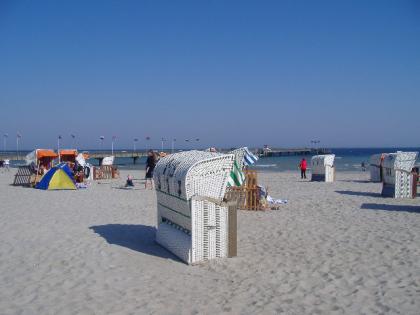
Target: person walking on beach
7	165
150	167
302	166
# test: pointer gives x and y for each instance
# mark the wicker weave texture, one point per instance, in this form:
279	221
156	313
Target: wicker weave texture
192	220
208	235
194	173
397	177
176	241
239	156
400	160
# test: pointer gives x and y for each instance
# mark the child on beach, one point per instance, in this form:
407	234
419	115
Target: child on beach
129	182
302	166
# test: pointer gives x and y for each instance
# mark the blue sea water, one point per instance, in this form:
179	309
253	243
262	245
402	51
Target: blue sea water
347	159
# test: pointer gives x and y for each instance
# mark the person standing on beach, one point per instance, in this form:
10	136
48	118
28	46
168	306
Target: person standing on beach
150	167
302	166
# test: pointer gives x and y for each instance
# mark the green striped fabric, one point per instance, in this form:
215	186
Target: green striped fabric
236	177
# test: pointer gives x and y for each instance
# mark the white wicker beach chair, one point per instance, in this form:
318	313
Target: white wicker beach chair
322	168
397	175
375	167
193	221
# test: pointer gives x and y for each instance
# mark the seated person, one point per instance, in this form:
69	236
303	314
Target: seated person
42	170
129	182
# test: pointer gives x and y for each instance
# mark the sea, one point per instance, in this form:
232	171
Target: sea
346	159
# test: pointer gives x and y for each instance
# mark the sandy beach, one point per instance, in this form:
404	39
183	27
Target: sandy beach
335	248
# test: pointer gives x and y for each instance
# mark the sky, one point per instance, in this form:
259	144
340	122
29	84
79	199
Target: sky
231	73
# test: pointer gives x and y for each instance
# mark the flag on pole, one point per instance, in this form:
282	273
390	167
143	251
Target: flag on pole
249	158
237	177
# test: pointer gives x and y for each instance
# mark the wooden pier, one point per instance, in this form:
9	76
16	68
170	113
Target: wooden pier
118	154
292	152
98	155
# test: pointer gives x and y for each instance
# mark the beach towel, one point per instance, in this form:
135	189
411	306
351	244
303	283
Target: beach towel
249	158
236	177
273	201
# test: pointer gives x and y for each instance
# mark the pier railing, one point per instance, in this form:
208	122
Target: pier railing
292	151
98	155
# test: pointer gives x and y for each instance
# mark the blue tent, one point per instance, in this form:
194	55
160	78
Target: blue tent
57	178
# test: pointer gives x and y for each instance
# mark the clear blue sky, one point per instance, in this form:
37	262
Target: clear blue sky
228	72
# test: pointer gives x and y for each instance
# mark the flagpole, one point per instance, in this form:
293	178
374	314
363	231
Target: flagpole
74	141
112	145
134	144
5	141
17	146
172	147
58	149
147	142
102	143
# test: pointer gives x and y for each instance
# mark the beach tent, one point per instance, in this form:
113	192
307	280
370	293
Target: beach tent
322	168
397	174
59	177
194	222
375	167
68	155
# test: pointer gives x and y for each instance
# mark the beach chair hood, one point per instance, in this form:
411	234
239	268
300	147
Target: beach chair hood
400	161
46	153
68	152
194	173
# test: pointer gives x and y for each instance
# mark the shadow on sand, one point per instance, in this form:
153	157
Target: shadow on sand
385	207
140	238
358	193
355	181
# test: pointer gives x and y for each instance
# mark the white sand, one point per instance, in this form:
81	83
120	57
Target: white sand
334	249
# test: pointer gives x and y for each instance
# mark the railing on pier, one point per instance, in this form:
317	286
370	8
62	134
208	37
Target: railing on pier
292	151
